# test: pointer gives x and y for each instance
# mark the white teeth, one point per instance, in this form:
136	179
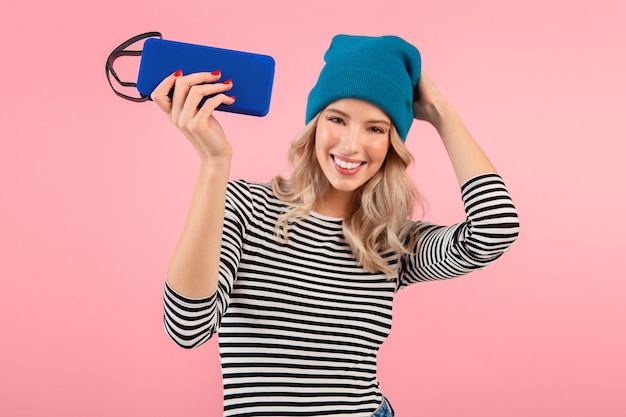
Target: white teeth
346	165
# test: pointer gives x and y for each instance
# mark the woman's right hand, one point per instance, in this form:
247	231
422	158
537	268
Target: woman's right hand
198	125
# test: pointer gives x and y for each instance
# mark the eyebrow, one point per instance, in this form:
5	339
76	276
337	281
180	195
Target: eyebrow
347	116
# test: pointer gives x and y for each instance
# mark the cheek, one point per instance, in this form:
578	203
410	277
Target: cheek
378	152
323	141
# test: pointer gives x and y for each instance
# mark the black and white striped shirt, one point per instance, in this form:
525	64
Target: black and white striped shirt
300	323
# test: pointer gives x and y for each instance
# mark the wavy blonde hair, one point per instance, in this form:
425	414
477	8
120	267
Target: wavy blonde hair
382	208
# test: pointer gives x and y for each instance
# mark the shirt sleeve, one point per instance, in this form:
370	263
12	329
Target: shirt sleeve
190	322
490	228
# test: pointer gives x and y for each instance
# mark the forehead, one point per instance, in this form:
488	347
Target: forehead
358	109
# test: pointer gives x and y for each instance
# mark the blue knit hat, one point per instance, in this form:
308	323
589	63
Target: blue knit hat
383	70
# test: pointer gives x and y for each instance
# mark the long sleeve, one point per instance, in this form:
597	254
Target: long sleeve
191	322
489	230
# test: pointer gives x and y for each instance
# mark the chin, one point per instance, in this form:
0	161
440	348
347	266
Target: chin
345	188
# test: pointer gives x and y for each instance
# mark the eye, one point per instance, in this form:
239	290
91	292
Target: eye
376	129
335	119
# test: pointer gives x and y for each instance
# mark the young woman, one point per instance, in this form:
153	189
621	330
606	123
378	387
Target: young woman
298	276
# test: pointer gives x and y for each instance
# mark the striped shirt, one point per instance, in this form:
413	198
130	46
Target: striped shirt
300	323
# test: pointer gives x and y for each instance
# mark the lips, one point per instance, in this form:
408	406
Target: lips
345	164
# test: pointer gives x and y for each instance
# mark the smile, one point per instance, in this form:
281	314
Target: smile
346	164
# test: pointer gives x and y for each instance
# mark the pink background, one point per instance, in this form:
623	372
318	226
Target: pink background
94	191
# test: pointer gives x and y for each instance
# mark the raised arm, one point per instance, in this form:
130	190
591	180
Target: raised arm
467	158
491	225
193	270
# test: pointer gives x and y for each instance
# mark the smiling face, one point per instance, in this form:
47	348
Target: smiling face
351	143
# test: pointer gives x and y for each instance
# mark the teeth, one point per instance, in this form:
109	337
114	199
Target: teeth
347	165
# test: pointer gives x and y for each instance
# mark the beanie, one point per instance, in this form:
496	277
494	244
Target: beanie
382	70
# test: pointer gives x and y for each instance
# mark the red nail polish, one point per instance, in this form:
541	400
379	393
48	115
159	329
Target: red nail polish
233	97
228	82
216	72
178	73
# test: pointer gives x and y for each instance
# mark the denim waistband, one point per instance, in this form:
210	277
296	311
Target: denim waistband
385	409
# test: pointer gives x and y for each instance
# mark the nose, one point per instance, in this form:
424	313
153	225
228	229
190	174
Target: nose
350	141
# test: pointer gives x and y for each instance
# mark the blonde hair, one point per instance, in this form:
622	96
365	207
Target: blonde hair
382	208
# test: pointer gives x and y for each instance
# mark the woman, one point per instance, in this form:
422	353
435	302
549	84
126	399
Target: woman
298	276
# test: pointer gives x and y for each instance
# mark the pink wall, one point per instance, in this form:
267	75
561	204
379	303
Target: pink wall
95	189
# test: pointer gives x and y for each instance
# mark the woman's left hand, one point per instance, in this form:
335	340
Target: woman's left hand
467	158
430	104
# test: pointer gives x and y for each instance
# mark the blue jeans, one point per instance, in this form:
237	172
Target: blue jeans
385	409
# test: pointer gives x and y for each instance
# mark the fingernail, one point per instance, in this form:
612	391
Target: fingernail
216	72
178	73
233	97
228	82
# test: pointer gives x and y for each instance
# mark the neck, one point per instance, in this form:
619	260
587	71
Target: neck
335	203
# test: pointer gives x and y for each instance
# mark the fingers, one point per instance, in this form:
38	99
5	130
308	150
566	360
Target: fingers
178	93
209	105
161	94
182	87
427	91
195	94
424	81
